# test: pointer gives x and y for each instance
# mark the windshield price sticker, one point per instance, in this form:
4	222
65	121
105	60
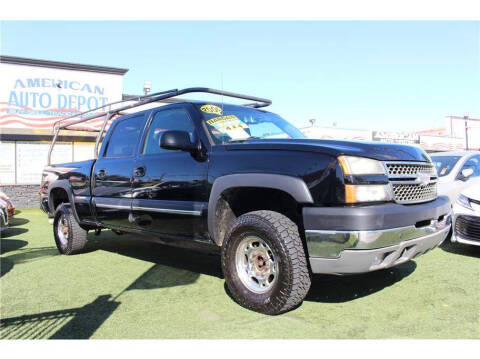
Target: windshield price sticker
211	109
231	126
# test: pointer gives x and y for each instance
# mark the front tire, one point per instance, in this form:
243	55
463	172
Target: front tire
70	237
264	263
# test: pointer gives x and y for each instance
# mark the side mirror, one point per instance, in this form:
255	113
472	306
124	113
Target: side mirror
177	140
465	174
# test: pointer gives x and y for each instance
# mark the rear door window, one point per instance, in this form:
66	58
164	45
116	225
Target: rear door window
124	138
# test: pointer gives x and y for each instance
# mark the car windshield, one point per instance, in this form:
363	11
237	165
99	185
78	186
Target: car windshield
230	124
445	164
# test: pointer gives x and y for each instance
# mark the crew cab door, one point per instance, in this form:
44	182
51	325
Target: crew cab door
169	187
113	172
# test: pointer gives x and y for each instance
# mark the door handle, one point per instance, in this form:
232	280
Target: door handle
101	174
139	171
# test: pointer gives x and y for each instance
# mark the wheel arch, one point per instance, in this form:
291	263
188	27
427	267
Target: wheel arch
293	187
61	189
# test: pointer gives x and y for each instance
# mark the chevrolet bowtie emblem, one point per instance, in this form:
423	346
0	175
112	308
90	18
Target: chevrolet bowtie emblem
423	179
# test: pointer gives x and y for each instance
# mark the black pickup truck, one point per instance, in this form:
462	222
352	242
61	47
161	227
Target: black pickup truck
278	206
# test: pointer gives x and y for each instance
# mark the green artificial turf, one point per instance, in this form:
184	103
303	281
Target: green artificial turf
127	288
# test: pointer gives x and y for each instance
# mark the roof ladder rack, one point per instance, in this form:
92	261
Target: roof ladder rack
140	101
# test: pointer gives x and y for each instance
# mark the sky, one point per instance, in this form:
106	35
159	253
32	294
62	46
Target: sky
385	75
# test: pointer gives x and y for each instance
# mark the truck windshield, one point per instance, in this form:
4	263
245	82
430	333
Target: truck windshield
230	124
445	164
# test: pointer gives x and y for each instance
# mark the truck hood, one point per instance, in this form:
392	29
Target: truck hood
376	150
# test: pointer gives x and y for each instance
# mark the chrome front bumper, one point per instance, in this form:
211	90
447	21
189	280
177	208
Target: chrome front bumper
345	252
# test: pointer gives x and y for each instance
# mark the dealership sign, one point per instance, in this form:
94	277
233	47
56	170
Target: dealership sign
35	92
396	137
36	97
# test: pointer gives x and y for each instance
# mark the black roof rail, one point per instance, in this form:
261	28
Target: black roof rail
107	111
259	102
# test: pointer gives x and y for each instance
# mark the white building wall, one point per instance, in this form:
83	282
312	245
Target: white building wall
456	128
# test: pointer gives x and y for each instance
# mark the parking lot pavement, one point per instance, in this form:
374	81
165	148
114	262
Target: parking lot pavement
127	288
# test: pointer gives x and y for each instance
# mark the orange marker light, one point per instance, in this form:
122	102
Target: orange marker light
344	165
350	194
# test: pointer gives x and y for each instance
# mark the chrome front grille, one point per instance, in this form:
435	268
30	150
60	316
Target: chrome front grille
410	193
412	182
402	169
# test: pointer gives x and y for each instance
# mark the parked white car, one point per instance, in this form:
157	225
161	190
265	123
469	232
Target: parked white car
457	171
3	215
466	217
9	204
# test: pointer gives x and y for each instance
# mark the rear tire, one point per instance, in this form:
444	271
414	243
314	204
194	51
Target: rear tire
70	237
264	263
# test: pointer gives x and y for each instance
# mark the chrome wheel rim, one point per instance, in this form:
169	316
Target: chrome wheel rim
256	264
62	231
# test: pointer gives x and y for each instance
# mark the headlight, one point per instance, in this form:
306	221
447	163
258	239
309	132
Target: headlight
361	166
464	202
377	188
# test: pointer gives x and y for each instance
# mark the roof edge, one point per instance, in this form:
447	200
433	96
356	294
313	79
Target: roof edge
14	60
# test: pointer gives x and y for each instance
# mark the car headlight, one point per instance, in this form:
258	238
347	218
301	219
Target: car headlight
369	170
361	166
464	202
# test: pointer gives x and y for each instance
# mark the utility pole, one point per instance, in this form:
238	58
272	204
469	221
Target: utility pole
147	85
466	131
